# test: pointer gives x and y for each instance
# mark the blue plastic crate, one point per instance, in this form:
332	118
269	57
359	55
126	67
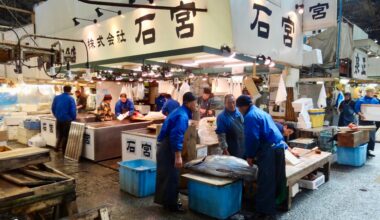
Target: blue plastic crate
219	202
353	156
32	124
138	177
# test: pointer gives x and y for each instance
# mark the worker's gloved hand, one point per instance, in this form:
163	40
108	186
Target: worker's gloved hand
250	161
178	160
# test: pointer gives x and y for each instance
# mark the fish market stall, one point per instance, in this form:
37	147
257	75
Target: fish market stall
102	140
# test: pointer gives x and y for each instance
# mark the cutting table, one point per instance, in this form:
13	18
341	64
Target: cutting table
310	161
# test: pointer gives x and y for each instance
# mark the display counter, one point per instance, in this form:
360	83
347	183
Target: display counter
102	140
48	126
139	144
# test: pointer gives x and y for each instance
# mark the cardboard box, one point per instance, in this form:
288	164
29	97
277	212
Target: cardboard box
4	135
352	138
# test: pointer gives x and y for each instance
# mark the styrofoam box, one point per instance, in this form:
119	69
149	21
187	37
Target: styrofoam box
138	147
312	184
3	143
12	132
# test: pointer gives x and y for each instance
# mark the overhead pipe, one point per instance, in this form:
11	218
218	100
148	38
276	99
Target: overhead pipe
127	5
51	38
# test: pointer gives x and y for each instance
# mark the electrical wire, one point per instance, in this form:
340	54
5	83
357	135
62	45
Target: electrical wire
14	17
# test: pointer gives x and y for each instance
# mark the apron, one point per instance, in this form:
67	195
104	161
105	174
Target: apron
265	197
347	116
235	137
167	178
372	135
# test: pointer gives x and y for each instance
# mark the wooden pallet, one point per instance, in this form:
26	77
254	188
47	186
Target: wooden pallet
75	141
21	157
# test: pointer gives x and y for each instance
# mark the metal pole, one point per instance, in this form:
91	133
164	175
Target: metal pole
340	18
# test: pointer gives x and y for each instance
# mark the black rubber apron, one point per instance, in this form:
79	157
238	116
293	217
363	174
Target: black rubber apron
167	176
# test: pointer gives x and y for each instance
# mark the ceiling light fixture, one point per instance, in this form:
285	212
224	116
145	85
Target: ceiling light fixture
99	13
300	8
76	22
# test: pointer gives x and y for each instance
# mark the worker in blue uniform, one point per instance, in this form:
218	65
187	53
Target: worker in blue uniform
264	146
230	129
347	111
170	105
169	154
160	101
124	105
65	111
367	99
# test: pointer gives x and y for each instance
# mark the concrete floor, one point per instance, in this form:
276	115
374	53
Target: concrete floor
351	193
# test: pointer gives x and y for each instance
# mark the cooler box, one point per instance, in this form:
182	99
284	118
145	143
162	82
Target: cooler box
138	177
215	197
356	156
317	117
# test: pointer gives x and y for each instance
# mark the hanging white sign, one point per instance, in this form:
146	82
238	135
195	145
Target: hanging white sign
319	14
359	64
262	27
145	31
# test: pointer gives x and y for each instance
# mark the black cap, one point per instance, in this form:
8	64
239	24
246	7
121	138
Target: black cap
347	94
188	97
243	100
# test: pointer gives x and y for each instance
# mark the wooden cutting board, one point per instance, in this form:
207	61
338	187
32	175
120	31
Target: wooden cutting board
23	180
10	191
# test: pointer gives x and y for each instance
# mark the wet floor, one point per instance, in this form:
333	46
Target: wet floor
351	193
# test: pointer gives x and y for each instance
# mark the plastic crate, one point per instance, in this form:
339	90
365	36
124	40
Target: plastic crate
138	177
317	117
219	202
353	156
32	124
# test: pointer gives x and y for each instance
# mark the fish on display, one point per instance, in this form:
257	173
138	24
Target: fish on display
224	166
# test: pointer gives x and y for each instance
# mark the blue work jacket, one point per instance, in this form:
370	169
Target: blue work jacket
260	131
169	106
365	100
175	127
64	108
232	125
123	107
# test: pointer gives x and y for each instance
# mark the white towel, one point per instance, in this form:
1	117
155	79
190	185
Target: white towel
322	97
281	92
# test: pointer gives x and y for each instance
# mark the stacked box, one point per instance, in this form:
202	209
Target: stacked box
12	132
23	134
4	135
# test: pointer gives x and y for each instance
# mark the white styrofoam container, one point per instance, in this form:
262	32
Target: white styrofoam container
48	131
12	132
138	147
144	109
295	189
3	143
317	182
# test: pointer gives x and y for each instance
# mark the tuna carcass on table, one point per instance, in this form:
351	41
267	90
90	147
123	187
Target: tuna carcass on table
224	166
